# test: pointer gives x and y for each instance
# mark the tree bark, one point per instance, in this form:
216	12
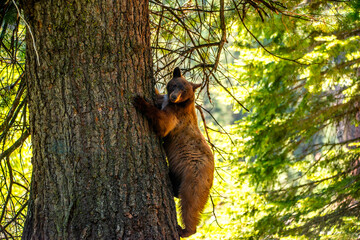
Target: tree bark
99	171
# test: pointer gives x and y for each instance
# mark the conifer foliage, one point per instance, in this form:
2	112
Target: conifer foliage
302	135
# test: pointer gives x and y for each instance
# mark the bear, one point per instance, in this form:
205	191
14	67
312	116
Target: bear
191	161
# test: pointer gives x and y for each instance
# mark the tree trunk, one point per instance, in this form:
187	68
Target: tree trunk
99	172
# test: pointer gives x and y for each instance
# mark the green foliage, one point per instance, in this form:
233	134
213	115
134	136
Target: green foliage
298	134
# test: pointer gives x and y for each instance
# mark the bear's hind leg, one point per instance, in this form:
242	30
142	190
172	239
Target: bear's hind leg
190	217
193	197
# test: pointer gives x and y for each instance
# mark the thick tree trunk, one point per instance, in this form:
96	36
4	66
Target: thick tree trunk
98	170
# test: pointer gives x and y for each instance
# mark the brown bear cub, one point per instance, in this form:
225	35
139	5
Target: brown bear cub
191	161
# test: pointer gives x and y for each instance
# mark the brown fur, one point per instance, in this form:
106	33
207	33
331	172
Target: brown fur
190	159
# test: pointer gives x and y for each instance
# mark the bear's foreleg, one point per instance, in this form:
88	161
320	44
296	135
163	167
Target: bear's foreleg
162	121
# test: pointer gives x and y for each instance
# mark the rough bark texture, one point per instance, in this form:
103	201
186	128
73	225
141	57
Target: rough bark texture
98	170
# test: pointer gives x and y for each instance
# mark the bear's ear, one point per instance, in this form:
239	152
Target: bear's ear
177	72
195	86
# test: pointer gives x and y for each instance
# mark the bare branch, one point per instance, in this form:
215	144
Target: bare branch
11	149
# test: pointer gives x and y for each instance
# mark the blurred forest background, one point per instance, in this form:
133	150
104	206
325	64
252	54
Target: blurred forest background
280	100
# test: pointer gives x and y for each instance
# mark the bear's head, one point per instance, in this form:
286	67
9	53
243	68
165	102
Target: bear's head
179	90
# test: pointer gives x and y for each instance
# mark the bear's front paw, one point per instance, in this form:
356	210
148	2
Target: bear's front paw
139	103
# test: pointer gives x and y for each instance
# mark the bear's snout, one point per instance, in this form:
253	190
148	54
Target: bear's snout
175	97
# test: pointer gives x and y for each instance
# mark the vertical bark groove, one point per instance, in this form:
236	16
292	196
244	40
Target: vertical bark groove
99	172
